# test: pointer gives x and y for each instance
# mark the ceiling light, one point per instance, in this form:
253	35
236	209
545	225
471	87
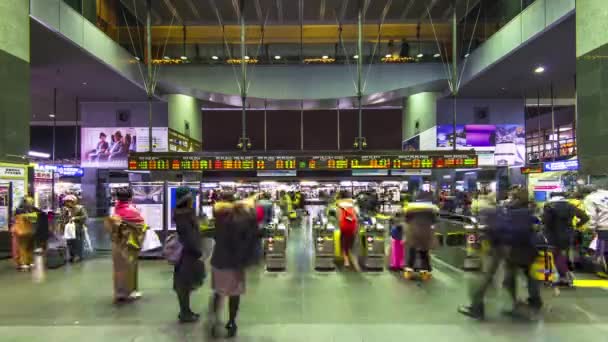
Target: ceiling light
325	57
437	55
166	58
84	83
388	55
277	57
215	58
420	55
246	57
52	116
466	56
38	154
137	58
539	69
356	56
183	58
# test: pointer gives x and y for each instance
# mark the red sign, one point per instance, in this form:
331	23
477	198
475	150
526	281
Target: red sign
526	170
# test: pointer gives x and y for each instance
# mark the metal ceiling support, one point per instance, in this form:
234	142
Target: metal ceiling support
360	140
265	124
54	122
150	81
338	125
258	11
193	9
430	7
553	133
76	126
244	141
302	125
454	70
406	10
301	21
173	10
280	10
322	9
343	10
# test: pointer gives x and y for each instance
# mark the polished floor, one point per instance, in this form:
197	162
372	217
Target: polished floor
74	304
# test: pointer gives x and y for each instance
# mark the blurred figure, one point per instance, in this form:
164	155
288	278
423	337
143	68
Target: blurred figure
26	216
348	221
127	231
74	213
558	216
236	247
189	272
419	220
510	230
596	204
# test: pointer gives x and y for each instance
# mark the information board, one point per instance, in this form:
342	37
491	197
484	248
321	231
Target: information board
216	162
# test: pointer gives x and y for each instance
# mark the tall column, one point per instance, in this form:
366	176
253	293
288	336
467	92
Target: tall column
185	115
15	107
419	108
592	85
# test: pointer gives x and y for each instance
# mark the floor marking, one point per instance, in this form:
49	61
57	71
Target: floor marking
598	283
451	267
592	317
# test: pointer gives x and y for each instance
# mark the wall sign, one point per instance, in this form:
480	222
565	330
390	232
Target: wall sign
12	172
526	170
62	170
566	165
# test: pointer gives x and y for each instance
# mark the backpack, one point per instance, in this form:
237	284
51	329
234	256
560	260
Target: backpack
348	220
244	235
172	251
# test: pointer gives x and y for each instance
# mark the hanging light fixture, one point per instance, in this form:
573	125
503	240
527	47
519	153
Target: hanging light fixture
183	56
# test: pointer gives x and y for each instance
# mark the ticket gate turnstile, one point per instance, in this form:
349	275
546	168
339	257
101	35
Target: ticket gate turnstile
275	247
373	241
323	240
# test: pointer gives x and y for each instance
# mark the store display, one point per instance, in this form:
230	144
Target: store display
148	198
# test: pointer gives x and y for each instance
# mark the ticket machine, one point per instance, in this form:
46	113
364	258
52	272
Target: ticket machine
373	238
323	240
275	246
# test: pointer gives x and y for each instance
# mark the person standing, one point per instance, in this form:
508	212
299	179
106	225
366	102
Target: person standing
189	271
73	213
127	231
236	246
558	217
419	220
26	216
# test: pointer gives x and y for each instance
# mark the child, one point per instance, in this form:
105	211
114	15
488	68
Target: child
419	220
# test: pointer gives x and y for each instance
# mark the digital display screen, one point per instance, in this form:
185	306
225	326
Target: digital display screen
201	162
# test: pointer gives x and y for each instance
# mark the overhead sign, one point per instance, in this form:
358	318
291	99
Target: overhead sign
566	165
526	170
63	170
352	161
412	172
12	172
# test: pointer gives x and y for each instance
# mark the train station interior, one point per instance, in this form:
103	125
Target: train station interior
392	154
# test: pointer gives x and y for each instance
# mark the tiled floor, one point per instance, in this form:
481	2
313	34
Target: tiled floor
74	304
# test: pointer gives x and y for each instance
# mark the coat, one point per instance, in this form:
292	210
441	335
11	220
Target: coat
189	272
419	220
235	234
558	217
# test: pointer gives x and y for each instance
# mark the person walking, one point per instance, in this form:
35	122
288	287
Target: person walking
127	230
419	220
73	213
26	216
236	247
558	217
348	221
511	234
189	271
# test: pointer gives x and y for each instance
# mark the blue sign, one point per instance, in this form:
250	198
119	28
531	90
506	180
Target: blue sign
566	165
64	170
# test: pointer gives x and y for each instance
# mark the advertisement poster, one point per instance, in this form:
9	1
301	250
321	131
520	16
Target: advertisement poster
445	136
510	145
172	202
4	211
148	199
411	145
109	147
480	135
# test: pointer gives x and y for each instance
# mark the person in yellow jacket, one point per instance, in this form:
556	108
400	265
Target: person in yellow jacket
23	232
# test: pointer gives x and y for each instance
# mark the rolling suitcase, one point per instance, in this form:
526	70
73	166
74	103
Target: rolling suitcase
56	257
397	254
543	268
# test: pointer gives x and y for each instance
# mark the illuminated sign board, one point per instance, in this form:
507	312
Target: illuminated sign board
336	162
62	170
526	170
566	165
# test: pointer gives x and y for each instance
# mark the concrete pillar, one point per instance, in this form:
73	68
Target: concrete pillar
15	75
419	109
592	85
185	116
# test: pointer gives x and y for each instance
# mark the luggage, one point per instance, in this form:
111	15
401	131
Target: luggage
56	257
172	251
397	254
543	268
337	245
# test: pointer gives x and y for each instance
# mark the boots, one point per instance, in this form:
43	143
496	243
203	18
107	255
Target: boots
409	273
473	311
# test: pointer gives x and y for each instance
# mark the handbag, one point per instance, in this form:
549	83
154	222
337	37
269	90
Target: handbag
151	241
173	249
69	231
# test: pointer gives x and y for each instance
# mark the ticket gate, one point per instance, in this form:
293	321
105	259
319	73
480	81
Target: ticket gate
275	246
373	241
323	240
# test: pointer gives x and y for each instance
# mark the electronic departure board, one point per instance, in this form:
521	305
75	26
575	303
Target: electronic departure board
217	162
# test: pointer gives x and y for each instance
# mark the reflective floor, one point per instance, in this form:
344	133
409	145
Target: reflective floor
74	304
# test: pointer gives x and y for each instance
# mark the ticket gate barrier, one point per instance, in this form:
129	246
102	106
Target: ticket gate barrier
323	240
275	247
373	242
460	241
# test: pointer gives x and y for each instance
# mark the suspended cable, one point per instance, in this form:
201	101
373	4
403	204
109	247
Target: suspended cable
346	53
464	65
157	67
259	48
443	62
139	67
228	51
380	24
